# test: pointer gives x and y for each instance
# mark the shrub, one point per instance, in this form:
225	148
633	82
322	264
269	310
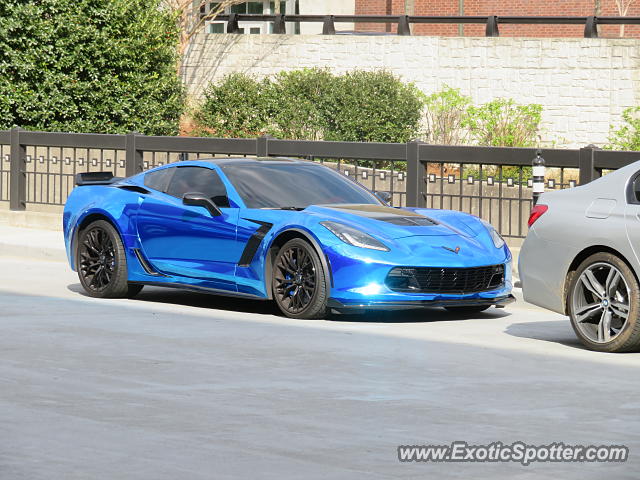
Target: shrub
297	104
373	107
235	107
503	123
313	104
446	117
89	65
627	137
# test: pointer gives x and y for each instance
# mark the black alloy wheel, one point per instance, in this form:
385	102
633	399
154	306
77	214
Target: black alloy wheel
97	259
299	286
101	262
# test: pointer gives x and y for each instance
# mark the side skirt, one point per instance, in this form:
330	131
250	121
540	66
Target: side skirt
195	288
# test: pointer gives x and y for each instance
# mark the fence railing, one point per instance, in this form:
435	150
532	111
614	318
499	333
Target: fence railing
491	182
404	22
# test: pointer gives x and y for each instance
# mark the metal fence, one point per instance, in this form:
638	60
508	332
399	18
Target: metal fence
491	182
404	22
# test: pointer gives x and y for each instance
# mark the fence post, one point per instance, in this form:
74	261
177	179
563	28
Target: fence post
232	23
279	25
415	175
262	147
134	163
328	26
586	163
538	176
17	172
591	27
492	27
403	25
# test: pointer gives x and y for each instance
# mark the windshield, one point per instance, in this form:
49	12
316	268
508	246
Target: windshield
295	185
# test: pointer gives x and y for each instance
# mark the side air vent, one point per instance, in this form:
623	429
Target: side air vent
133	188
145	264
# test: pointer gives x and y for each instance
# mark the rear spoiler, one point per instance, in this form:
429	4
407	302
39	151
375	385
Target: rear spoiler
96	178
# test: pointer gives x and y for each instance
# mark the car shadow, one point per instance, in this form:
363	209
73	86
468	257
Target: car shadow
558	331
416	315
190	298
219	302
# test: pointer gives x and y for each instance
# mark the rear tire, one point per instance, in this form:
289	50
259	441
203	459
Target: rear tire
603	302
298	281
102	263
468	309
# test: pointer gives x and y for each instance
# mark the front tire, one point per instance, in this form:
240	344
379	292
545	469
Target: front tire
102	263
298	281
604	303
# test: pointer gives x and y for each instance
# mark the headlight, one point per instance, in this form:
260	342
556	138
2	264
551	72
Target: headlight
354	237
498	241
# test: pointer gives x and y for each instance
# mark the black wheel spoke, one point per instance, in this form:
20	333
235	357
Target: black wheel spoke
295	279
96	258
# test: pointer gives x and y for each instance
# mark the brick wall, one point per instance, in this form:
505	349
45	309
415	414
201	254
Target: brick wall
500	7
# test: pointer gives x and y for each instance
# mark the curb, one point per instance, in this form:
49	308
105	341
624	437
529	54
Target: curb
29	219
32	244
32	253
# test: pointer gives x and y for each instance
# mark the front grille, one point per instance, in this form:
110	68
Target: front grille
445	280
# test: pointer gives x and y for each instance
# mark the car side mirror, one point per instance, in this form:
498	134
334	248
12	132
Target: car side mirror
384	196
197	199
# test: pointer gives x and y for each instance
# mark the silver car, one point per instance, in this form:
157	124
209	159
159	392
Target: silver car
581	259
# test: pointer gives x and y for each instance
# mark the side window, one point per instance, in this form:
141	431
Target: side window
201	180
158	180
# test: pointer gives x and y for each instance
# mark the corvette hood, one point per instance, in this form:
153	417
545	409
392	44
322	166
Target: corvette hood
395	222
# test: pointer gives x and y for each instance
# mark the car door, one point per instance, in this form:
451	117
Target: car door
632	215
188	241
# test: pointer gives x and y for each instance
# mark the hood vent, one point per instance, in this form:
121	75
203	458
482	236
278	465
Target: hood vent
409	221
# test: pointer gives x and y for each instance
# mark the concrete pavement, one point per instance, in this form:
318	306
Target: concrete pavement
34	244
183	385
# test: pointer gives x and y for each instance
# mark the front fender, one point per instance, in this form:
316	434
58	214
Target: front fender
313	240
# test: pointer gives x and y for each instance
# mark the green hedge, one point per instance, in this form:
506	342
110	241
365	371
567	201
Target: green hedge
298	104
359	106
236	108
373	107
627	137
89	66
313	104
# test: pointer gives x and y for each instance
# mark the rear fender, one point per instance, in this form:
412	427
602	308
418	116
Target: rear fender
86	203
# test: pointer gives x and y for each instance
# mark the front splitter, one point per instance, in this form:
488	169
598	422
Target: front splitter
405	305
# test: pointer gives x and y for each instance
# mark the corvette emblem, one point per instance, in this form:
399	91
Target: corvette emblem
454	250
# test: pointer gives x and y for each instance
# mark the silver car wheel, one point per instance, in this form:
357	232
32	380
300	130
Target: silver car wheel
600	302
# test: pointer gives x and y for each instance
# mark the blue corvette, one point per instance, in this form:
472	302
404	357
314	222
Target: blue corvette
295	232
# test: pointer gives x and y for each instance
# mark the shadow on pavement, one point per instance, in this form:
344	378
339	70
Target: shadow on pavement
433	314
220	302
196	299
559	331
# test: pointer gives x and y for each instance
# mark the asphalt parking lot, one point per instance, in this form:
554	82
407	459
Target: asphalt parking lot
178	385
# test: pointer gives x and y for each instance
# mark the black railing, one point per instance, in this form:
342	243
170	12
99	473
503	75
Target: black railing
404	22
491	182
